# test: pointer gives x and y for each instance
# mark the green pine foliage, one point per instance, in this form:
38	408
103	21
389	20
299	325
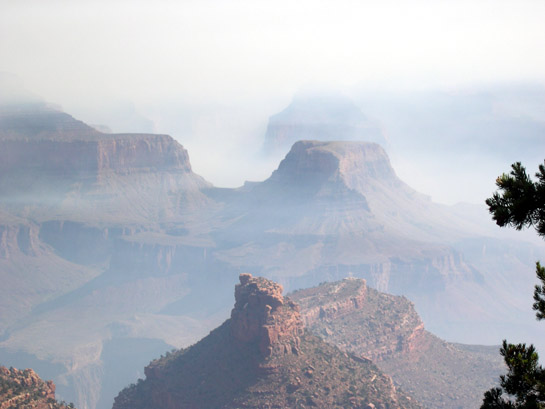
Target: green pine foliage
520	203
539	293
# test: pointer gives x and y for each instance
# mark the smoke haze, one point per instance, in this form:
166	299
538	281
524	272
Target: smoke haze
211	73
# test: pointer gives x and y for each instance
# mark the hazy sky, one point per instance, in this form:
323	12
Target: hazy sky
241	54
217	50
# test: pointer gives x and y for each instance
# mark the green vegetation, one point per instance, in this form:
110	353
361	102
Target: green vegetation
520	203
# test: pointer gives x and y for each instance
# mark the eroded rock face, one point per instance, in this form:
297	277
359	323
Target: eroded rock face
355	162
261	314
262	358
327	306
387	329
23	389
46	143
385	326
116	153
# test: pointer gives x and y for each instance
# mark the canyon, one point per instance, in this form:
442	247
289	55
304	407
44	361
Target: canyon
113	251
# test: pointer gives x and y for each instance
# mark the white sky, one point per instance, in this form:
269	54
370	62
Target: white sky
218	50
251	51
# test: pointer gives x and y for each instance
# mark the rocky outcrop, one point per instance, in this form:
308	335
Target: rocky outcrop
350	161
54	166
262	358
351	188
387	329
23	389
121	153
384	330
262	315
325	306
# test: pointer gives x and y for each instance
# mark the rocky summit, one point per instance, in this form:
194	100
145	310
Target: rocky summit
23	389
262	358
262	315
388	330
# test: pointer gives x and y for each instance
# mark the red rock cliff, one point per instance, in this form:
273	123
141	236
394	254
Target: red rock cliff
374	325
261	314
55	143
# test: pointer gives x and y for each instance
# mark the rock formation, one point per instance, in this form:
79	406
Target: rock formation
387	326
262	315
262	358
51	160
23	389
334	209
387	330
72	199
94	229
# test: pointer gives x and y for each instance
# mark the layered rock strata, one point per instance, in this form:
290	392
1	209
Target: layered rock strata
383	331
23	389
262	358
388	330
262	315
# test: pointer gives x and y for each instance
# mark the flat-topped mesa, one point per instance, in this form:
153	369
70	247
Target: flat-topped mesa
262	315
347	160
45	140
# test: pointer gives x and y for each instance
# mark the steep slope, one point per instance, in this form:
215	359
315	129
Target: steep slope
337	209
72	201
387	330
356	182
25	390
334	209
262	357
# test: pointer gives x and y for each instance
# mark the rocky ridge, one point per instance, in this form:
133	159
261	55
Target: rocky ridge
23	389
387	329
389	325
245	364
